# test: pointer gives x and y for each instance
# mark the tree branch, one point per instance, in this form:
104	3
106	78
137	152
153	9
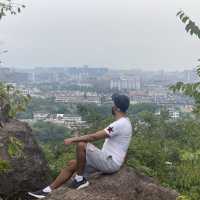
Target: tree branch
191	27
9	6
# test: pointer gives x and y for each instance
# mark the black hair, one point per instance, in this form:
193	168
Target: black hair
121	101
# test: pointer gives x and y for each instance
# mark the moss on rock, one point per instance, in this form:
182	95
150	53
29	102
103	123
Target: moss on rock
15	148
4	165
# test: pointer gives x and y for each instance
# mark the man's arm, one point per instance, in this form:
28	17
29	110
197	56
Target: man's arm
87	138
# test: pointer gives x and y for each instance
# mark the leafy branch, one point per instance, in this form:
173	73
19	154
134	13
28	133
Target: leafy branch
11	102
191	27
9	6
189	89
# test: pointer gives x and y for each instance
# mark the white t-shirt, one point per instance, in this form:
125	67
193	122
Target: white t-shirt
119	136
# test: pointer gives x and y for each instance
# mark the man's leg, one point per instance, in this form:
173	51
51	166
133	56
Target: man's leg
81	157
65	174
73	166
79	180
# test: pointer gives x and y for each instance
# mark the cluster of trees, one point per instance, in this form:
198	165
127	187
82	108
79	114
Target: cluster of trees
47	106
11	102
48	132
51	139
169	151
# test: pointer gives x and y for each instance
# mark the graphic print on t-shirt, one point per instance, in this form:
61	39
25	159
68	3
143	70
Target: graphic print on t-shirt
110	129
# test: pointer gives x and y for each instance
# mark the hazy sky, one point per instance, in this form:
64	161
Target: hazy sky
110	33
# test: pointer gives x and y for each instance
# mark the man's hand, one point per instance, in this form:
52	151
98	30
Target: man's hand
68	141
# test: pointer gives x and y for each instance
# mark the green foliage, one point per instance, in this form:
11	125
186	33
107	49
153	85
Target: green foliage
169	150
15	148
49	132
47	106
137	108
8	6
4	166
96	116
183	198
191	26
164	149
51	138
187	175
92	113
58	155
191	90
11	101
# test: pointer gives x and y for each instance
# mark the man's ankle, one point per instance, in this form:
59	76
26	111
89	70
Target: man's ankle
47	189
78	177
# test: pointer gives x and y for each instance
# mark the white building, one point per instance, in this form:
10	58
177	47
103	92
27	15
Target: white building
127	83
77	97
40	116
69	121
174	114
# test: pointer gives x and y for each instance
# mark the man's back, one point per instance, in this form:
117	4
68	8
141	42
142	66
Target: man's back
119	136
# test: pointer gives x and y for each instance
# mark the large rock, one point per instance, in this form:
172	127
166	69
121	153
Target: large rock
22	164
127	184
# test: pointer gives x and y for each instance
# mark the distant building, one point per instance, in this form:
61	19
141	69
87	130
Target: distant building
20	77
4	74
4	70
8	75
69	121
130	83
25	92
59	116
106	99
40	116
77	97
140	97
190	76
82	73
187	108
45	77
173	113
64	117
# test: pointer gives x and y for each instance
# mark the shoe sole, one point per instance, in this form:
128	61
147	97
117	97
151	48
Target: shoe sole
36	196
83	186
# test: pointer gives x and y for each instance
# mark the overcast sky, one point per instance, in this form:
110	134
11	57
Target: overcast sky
110	33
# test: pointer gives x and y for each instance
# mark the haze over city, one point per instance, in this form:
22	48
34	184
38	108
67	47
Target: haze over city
114	34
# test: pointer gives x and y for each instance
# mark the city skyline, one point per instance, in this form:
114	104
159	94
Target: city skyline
131	69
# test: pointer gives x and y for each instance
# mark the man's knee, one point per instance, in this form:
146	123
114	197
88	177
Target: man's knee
72	165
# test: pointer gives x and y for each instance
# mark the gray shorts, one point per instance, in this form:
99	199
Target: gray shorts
98	161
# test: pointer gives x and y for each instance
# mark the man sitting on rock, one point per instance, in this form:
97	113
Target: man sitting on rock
89	158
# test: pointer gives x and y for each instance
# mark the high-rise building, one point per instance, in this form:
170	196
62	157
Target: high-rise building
126	83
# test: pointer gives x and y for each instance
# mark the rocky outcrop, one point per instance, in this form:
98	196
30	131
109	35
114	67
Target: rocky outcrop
22	164
23	168
127	184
